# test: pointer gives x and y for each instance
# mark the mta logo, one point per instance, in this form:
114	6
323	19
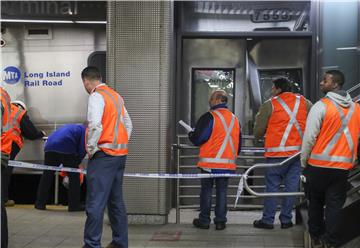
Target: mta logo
11	75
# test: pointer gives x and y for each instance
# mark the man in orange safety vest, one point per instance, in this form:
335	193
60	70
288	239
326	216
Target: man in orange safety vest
218	134
328	152
282	121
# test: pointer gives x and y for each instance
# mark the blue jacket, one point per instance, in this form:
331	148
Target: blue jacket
203	130
69	139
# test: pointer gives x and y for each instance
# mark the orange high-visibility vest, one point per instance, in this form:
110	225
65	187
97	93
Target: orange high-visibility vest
286	125
16	115
6	127
221	150
337	142
114	139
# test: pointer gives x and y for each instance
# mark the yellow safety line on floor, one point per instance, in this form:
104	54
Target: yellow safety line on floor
48	207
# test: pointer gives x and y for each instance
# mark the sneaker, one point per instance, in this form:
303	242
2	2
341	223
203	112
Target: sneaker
220	226
198	224
286	225
77	209
261	224
327	245
9	203
112	245
40	207
316	242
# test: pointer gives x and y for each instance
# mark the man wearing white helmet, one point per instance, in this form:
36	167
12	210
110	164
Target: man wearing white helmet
22	128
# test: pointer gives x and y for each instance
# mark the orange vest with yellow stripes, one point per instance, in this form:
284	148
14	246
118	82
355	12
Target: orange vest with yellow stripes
221	150
114	139
286	125
6	127
17	114
337	143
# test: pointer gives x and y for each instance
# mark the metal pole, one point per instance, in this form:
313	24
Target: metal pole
178	182
56	200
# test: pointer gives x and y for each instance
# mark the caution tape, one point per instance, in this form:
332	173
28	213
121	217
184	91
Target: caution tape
20	164
146	175
180	176
239	190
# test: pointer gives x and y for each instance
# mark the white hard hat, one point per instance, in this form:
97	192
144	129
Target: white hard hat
21	103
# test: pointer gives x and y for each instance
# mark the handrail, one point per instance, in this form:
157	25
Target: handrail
246	149
352	89
355	87
353	190
181	147
244	136
264	165
354	176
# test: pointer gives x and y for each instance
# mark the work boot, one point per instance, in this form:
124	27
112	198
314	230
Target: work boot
80	208
220	226
262	225
112	245
9	203
327	245
40	207
316	242
198	224
286	225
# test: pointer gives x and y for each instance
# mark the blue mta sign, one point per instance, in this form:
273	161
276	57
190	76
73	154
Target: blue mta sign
11	75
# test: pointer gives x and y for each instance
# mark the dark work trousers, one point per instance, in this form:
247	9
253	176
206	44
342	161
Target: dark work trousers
326	187
4	224
14	152
104	181
47	179
206	197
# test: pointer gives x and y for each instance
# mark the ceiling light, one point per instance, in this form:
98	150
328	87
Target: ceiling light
51	21
90	22
346	48
36	21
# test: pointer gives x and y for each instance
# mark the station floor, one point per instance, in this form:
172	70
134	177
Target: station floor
56	227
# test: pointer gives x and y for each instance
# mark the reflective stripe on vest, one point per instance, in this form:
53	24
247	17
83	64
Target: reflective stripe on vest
7	125
293	121
227	139
113	146
217	160
343	129
15	122
119	105
17	138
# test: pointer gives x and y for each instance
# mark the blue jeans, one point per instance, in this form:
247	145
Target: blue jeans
104	181
290	175
205	199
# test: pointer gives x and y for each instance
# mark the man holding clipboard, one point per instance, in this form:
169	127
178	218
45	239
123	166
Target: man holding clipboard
218	134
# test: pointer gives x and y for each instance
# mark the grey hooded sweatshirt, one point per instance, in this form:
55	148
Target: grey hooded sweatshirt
315	119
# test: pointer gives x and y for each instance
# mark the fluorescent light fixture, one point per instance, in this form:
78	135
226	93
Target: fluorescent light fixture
213	85
36	21
330	67
346	48
90	22
51	21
